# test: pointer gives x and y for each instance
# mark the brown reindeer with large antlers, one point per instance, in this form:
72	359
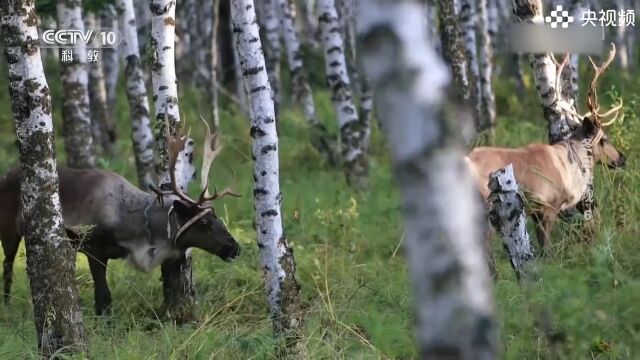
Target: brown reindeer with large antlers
125	221
555	177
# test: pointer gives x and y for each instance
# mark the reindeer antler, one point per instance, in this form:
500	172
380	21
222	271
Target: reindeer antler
592	95
175	144
211	152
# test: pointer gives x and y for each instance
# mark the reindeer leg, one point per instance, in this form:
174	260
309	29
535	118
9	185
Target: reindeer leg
539	220
98	266
10	246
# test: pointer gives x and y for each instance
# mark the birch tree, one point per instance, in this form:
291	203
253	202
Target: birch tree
110	59
452	290
178	290
469	20
78	140
141	133
275	253
431	16
353	135
299	81
452	48
213	68
50	258
272	46
488	103
544	73
103	132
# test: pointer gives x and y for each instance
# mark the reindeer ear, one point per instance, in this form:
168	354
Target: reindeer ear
589	126
182	209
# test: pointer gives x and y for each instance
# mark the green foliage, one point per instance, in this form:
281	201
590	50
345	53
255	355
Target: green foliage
348	247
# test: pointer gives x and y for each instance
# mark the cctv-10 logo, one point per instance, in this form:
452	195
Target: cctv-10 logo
105	38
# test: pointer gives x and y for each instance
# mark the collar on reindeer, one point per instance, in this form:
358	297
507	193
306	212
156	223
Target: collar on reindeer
184	226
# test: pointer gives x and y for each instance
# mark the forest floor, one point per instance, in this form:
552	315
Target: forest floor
348	247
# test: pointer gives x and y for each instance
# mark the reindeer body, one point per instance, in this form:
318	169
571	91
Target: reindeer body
125	222
550	175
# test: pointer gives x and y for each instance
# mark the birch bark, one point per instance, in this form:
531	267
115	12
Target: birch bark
110	61
213	68
469	21
50	258
178	290
452	48
488	104
141	133
353	136
272	47
102	129
78	141
508	217
544	73
275	253
300	87
450	278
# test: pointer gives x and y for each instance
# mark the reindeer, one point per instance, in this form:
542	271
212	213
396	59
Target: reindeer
125	221
555	177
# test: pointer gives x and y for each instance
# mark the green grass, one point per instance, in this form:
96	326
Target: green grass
348	248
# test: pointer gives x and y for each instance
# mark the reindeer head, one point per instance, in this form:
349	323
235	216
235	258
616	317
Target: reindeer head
197	223
592	126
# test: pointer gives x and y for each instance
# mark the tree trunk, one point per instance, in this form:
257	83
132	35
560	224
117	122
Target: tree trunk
544	73
621	37
493	22
309	23
110	62
178	290
431	15
276	255
103	132
443	240
299	82
469	19
509	219
202	43
50	258
213	68
241	94
353	136
78	141
141	134
272	47
452	48
488	105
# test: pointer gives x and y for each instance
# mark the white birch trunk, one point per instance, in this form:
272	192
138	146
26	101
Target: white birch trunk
488	107
213	67
469	20
272	47
102	128
110	60
544	73
300	87
78	141
141	133
179	294
241	94
309	23
621	37
276	255
201	42
452	48
50	258
508	217
353	136
451	283
431	16
493	22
